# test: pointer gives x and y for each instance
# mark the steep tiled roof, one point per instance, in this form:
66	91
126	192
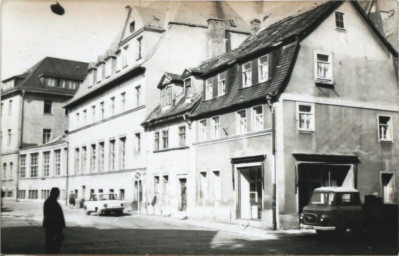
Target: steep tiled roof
180	108
53	67
274	35
238	96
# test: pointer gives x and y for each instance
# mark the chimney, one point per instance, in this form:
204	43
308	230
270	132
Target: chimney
216	37
255	26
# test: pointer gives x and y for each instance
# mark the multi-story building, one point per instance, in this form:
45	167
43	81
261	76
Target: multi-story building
310	101
32	112
107	144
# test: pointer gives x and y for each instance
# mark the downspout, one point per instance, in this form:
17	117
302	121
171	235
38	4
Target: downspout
21	129
274	191
67	174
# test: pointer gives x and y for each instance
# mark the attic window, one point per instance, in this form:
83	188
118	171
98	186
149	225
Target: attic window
166	96
132	26
188	88
339	20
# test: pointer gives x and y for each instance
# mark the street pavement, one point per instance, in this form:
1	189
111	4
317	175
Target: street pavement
21	233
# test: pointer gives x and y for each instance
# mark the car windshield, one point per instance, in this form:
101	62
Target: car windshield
323	198
107	197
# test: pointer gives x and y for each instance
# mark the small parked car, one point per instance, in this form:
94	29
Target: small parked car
333	209
104	203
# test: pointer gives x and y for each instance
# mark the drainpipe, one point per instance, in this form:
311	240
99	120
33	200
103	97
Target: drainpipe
67	174
21	127
274	192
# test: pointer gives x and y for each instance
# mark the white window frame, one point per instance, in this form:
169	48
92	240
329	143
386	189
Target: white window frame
163	132
329	62
390	129
203	130
112	154
336	21
265	66
137	142
22	166
182	143
239	130
247	73
255	125
209	88
90	78
108	67
57	162
139	54
46	164
312	113
221	84
100	73
215	127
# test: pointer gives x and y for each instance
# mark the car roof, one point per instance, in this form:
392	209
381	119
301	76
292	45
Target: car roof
335	189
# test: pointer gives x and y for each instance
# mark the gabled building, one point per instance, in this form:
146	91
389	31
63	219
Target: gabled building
309	101
32	112
107	145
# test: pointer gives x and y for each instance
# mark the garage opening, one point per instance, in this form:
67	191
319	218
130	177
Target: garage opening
311	176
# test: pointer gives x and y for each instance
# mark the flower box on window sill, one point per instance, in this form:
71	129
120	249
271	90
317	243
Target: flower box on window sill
325	83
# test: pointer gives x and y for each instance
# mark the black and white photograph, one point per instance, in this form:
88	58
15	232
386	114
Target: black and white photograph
148	127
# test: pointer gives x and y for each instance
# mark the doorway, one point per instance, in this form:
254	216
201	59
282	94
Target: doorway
388	188
250	192
183	194
311	176
137	195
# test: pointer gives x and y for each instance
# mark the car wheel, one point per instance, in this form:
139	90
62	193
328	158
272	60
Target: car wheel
87	211
119	213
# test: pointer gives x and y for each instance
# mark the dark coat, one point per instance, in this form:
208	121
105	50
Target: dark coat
53	215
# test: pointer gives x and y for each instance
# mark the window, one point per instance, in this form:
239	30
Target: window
108	67
122	153
47	106
165	139
156	140
132	26
323	66
263	68
112	106
139	48
48	81
203	193
77	119
188	89
33	194
90	78
34	165
137	146
57	162
45	193
102	110
339	20
112	155
73	84
4	171
2	108
247	74
305	117
208	89
203	131
221	84
8	137
121	194
165	183
385	128
21	194
46	135
101	156
22	166
84	159
93	158
84	117
119	62
11	171
166	96
216	186
124	56
93	113
215	127
138	95
182	136
77	160
100	73
241	122
156	184
123	101
257	118
46	164
9	107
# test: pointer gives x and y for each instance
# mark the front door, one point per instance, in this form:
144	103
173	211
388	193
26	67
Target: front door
137	195
250	192
183	194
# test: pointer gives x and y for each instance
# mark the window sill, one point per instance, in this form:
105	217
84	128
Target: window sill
170	149
320	82
48	114
305	131
386	141
340	29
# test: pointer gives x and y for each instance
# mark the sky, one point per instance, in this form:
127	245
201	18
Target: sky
30	31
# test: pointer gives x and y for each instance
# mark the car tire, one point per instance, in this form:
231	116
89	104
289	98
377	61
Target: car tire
119	213
87	211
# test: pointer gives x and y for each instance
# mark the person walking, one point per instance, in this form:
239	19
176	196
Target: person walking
53	222
72	199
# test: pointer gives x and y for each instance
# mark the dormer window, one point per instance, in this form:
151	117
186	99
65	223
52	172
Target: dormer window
108	67
119	58
339	20
188	88
166	96
90	78
100	72
247	74
208	89
132	26
221	84
139	47
323	66
9	84
263	68
49	81
124	56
